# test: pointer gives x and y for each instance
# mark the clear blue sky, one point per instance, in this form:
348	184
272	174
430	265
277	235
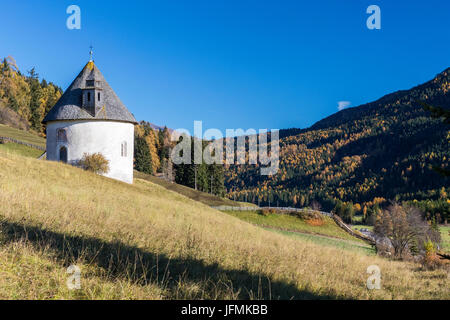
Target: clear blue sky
234	64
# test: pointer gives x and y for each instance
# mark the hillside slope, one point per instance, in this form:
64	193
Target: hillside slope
143	241
22	135
375	152
203	197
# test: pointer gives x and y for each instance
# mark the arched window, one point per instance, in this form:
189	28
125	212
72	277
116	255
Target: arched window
89	96
63	154
98	96
123	149
61	135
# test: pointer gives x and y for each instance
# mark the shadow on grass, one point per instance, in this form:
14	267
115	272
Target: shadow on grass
119	260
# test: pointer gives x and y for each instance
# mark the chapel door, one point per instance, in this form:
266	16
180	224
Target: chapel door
63	154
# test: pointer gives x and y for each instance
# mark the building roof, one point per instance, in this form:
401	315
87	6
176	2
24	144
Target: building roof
69	105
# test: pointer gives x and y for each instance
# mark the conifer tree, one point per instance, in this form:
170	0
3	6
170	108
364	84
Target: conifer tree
142	157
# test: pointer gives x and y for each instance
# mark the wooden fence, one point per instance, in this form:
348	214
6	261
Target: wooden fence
23	143
230	208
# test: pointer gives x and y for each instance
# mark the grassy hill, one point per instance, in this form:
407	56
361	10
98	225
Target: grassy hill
203	197
20	149
28	137
144	241
22	135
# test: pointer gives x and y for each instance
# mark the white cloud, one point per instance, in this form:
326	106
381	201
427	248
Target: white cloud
343	104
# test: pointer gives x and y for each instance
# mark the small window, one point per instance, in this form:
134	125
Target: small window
123	149
89	96
61	135
98	96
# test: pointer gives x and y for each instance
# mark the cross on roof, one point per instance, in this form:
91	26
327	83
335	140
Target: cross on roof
91	53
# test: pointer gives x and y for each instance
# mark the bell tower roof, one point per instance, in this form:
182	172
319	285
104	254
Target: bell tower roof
72	104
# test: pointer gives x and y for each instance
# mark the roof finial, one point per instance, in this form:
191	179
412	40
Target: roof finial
91	53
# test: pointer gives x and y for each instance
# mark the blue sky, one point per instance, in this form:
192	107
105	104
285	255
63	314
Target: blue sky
234	64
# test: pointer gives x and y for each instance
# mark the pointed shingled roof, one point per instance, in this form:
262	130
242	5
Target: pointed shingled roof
69	106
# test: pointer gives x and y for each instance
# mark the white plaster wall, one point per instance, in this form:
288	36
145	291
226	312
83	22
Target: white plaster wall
88	136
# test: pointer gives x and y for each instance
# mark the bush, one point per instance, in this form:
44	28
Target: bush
95	162
345	211
315	222
405	228
265	212
430	261
309	215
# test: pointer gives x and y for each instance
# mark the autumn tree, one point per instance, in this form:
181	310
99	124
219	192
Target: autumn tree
404	227
150	139
30	98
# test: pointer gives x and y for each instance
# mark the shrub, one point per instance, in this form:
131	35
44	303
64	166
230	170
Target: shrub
345	211
384	249
309	215
430	261
405	228
95	162
315	222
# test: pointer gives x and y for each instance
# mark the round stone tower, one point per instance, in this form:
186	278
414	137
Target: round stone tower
90	118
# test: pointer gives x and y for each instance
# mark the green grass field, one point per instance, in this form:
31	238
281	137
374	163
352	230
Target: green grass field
286	222
21	135
20	149
445	236
331	242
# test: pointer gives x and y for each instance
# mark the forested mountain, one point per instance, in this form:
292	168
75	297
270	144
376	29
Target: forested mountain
362	156
24	99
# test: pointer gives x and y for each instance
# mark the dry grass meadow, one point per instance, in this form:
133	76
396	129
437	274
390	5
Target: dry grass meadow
143	241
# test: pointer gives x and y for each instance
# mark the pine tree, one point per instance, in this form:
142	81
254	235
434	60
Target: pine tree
142	157
216	174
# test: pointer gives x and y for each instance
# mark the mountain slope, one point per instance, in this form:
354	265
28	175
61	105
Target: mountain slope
367	154
143	241
435	92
